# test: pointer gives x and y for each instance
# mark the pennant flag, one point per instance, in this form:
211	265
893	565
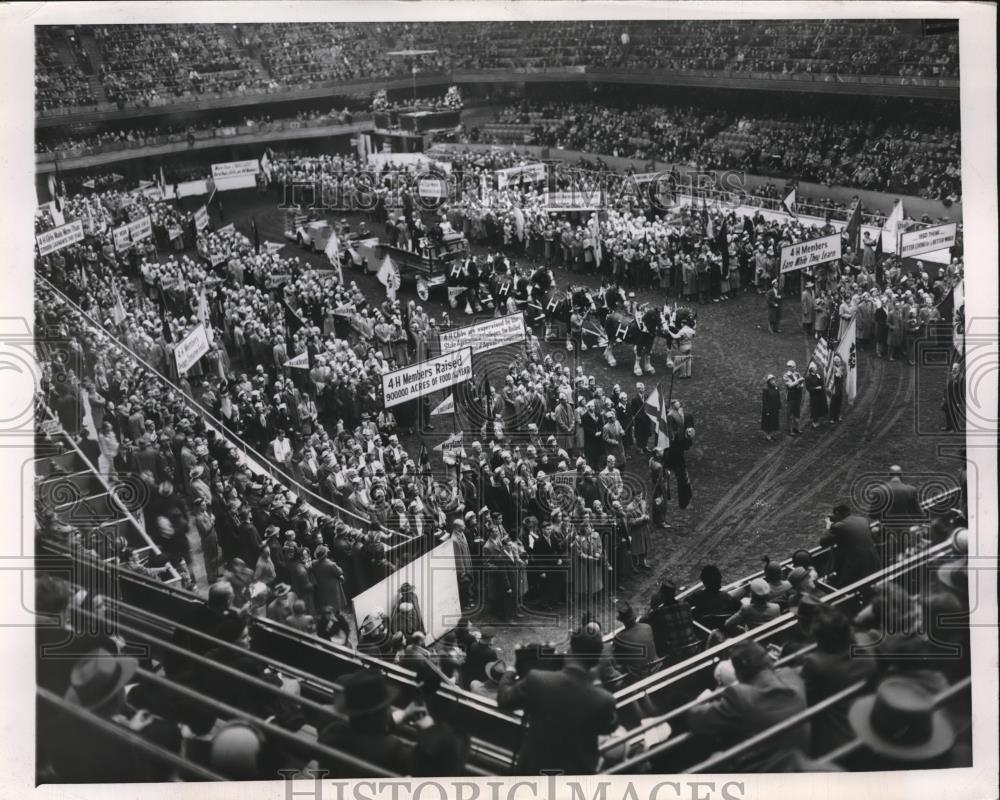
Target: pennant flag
295	323
854	227
272	247
789	203
453	442
91	184
446	406
301	361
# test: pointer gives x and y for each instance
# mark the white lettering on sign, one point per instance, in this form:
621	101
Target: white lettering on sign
58	238
426	377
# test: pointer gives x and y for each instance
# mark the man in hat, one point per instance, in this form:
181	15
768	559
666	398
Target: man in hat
758	611
808	300
369	731
761	697
633	648
854	555
565	710
671	623
794	383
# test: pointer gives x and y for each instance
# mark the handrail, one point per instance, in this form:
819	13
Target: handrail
117	731
785	725
264	464
141	528
661	680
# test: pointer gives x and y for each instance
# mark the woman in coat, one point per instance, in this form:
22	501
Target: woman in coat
817	395
822	317
770	416
588	568
897	332
684	338
329	580
660	494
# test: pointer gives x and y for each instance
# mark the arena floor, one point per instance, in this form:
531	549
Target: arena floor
752	498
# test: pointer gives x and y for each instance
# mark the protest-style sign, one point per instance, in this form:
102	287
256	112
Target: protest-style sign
58	238
426	377
803	255
190	349
233	169
201	218
927	240
485	336
121	238
141	229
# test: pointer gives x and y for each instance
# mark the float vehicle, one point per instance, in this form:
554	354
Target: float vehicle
429	265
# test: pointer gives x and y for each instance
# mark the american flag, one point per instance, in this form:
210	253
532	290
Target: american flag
822	356
656	410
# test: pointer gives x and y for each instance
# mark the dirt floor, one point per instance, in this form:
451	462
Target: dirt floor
751	497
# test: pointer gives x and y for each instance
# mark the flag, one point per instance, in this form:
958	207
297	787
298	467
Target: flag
301	361
424	459
789	203
848	352
448	444
295	322
958	318
657	413
854	227
204	317
446	406
162	183
118	309
265	166
272	247
210	185
256	236
388	276
91	184
332	251
748	228
891	225
704	214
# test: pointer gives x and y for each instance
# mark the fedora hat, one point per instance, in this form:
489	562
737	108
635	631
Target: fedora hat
365	692
98	677
899	721
281	589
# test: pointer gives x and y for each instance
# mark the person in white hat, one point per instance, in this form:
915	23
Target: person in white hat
794	383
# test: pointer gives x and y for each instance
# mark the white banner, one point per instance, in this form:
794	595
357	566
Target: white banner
121	238
573	201
140	229
225	229
232	169
485	336
58	238
406	161
190	349
532	172
432	188
927	240
201	218
810	253
426	377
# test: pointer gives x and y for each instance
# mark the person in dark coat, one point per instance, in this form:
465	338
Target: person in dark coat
641	426
633	648
91	450
953	404
817	395
774	308
793	396
828	669
566	712
329	580
855	556
671	622
761	697
770	415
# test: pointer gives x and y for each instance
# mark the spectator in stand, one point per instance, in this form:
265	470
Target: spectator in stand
671	622
761	697
755	610
633	648
854	554
710	605
566	711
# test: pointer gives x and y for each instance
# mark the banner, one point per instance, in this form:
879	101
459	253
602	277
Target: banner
233	169
301	361
201	218
175	232
446	406
485	336
141	229
810	253
432	189
272	247
573	201
121	238
426	377
58	238
927	240
226	229
532	172
190	349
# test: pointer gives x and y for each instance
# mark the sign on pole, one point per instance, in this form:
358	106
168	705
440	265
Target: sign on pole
927	240
201	218
191	348
232	169
58	238
804	255
426	377
140	229
121	238
485	336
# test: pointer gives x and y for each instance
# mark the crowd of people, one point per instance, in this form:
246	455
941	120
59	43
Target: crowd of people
915	157
188	60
